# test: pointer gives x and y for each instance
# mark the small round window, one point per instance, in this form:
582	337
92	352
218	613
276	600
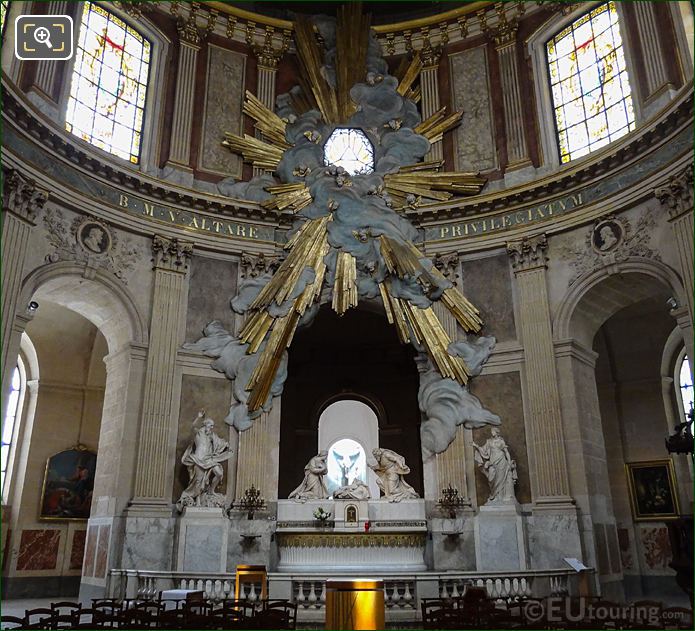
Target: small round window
350	149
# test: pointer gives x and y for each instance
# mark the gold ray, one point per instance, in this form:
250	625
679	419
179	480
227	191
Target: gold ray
305	246
267	122
255	329
414	94
262	378
293	196
436	341
393	307
439	186
311	61
352	40
259	153
434	127
411	74
345	284
464	312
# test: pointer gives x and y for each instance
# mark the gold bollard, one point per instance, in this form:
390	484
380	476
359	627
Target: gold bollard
354	604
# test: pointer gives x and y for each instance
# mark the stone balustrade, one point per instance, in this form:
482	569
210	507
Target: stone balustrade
402	592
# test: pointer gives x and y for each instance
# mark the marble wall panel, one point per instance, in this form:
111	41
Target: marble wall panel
501	394
102	552
223	99
38	550
654	549
203	549
487	284
90	551
601	549
627	559
77	549
199	392
475	140
212	285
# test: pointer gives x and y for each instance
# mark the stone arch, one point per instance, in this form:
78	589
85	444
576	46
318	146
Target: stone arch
598	295
96	295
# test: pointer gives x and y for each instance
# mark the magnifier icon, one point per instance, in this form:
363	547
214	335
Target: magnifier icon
43	36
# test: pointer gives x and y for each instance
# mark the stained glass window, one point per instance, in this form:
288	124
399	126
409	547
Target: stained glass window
685	381
350	149
8	424
591	92
4	6
347	462
106	106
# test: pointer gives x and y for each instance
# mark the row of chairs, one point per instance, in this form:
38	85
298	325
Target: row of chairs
159	614
476	612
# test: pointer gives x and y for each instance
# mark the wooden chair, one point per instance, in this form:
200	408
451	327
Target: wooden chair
39	618
439	614
11	622
277	614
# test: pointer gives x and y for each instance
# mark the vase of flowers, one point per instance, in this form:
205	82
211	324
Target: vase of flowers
321	516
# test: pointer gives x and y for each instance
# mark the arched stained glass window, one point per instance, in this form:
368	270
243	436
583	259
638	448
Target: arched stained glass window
685	382
106	106
592	98
351	150
9	422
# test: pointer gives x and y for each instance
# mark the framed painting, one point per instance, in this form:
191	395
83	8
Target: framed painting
652	486
67	485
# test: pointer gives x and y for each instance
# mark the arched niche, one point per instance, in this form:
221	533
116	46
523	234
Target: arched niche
354	357
348	431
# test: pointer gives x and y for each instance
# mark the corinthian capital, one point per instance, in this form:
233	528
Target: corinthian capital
676	196
189	32
171	254
21	196
529	253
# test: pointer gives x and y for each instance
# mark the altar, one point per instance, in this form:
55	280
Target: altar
357	536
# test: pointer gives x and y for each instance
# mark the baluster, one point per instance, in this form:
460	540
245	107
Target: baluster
300	598
312	594
454	589
388	594
507	587
444	592
529	586
515	587
407	596
322	596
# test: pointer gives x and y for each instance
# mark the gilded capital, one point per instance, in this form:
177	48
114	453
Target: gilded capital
255	265
188	29
171	254
529	253
21	196
448	265
266	53
676	196
504	32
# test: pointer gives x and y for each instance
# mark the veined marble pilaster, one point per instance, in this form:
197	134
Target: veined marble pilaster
653	58
451	464
171	258
676	197
22	201
544	421
189	45
429	93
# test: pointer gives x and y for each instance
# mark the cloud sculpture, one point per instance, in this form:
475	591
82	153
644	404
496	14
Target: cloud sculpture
359	221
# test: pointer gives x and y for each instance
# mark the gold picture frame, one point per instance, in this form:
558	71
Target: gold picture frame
653	492
66	493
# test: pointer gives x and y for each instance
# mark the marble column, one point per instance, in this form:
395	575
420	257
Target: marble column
22	201
181	126
171	258
676	197
429	92
544	422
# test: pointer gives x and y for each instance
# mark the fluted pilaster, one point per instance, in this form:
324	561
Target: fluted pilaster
170	258
676	197
182	122
429	92
22	201
46	69
544	421
653	58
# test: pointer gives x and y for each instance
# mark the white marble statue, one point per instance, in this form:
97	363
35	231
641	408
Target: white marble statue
204	458
496	463
313	487
356	490
390	468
